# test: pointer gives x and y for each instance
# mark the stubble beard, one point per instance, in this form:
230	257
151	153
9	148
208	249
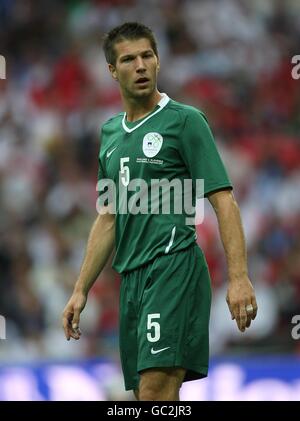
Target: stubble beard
137	93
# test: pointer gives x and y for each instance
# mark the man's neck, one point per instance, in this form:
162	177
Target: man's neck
137	108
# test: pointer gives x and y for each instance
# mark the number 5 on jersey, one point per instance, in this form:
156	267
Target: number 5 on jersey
124	171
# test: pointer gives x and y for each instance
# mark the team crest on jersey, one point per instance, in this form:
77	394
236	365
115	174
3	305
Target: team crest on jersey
152	144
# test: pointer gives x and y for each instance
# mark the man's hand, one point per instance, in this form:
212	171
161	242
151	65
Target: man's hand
71	315
241	302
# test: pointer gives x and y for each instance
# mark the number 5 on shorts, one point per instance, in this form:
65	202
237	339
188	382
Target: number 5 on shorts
153	325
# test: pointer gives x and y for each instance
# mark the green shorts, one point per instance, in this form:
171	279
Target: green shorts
164	316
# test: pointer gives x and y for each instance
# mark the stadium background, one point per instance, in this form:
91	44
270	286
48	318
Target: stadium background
232	59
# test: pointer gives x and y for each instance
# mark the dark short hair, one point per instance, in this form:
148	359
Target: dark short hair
127	31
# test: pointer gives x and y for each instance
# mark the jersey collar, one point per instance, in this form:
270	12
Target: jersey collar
161	104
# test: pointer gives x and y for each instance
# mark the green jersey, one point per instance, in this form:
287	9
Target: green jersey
173	142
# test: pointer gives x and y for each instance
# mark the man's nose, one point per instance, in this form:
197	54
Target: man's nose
140	65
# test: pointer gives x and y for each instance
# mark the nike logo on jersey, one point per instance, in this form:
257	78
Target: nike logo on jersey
156	351
110	152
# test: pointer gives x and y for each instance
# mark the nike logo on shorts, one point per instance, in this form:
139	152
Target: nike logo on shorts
110	152
156	351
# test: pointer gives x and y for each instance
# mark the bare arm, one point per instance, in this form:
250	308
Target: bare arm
99	247
240	294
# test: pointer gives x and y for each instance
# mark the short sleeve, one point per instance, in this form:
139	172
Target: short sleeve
101	175
105	186
101	171
200	154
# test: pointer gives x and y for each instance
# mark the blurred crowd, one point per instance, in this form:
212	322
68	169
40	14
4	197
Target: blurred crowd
231	59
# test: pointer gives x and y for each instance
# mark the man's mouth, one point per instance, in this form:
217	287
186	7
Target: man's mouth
142	80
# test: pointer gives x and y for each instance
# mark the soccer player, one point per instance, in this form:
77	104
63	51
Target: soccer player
165	292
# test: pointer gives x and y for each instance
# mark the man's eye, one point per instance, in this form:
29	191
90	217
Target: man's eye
127	59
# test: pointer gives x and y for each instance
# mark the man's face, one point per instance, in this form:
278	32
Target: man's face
136	67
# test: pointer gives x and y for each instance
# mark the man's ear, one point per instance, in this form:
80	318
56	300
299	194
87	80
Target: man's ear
113	71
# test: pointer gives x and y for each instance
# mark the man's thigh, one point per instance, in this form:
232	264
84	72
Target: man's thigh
164	317
174	313
161	383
